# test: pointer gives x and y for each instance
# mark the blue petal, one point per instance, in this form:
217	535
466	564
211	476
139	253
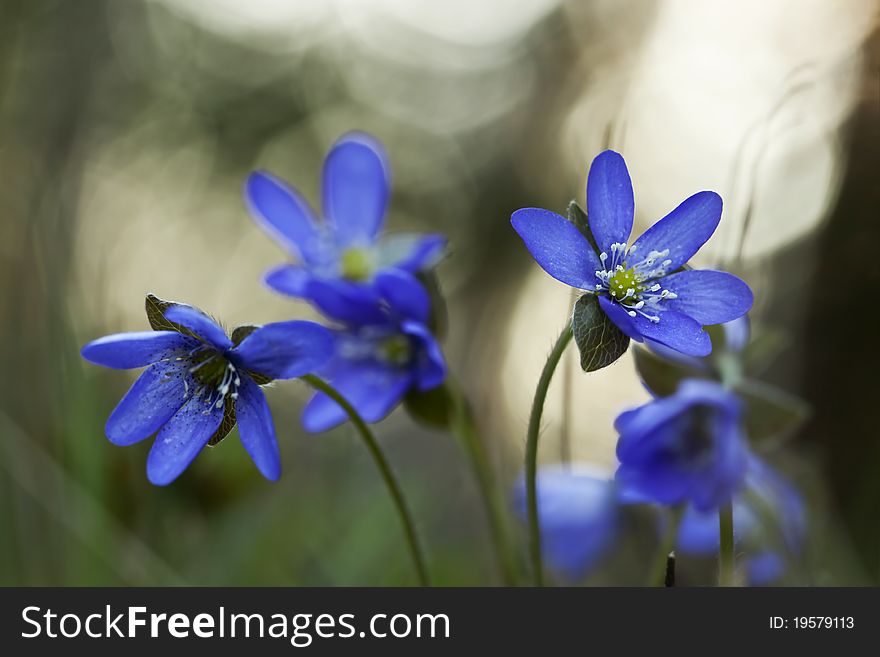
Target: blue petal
291	280
149	403
577	514
412	252
344	301
285	350
374	389
710	297
128	350
282	213
256	429
200	324
405	295
764	568
181	439
558	246
356	181
610	204
684	230
619	316
677	331
737	334
430	364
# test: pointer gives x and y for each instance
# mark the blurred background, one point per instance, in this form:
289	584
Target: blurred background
127	129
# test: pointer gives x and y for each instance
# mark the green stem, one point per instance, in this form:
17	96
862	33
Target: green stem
658	570
465	428
532	451
725	549
384	469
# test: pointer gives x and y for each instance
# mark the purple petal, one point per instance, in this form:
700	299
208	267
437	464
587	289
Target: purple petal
149	403
619	316
412	252
291	280
430	364
128	350
374	389
344	301
282	213
256	429
683	231
403	292
558	246
710	297
200	324
677	331
356	181
181	439
285	350
610	204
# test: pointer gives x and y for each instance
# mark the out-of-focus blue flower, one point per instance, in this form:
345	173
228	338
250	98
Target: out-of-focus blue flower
639	285
766	547
194	374
578	512
685	448
379	359
339	259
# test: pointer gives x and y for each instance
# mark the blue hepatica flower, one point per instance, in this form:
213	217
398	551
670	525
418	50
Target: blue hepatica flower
578	509
339	259
378	360
685	448
640	284
766	548
198	382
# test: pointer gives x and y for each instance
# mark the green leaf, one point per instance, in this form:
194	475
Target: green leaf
434	408
598	339
578	217
661	375
156	308
763	348
438	320
227	424
771	415
239	334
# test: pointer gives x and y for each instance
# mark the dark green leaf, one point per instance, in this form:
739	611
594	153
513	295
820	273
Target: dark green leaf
661	375
239	334
156	308
771	414
598	339
438	320
434	408
227	424
578	217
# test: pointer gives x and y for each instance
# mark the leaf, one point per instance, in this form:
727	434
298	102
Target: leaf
662	375
771	415
598	339
156	308
578	217
438	321
763	348
227	424
238	335
434	408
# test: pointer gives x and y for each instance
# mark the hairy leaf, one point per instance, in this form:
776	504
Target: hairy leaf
598	339
434	408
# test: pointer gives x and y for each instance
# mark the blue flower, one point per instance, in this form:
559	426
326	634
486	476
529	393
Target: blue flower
685	448
578	509
766	498
378	360
198	382
339	259
640	285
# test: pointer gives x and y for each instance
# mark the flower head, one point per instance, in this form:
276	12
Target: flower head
578	509
199	382
339	259
378	360
686	448
640	284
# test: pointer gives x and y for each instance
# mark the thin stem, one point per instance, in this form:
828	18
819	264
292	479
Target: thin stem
465	428
726	563
384	469
658	571
532	451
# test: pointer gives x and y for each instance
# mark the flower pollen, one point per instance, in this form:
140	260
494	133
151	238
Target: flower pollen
633	286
